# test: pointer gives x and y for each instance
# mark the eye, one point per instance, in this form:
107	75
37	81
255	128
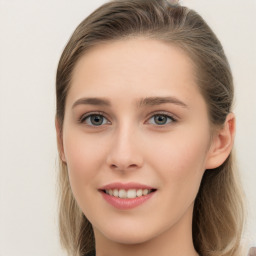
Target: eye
94	120
161	119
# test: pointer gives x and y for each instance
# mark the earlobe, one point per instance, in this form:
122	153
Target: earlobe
59	140
222	143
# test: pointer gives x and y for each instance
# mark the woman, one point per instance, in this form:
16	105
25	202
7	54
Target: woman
145	134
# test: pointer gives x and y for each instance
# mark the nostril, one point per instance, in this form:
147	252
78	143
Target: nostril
124	161
123	167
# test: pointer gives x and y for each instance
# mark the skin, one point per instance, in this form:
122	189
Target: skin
131	146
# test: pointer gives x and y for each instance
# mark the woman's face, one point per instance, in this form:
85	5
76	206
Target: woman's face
135	120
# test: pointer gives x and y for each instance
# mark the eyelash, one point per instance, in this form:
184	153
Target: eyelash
171	118
83	118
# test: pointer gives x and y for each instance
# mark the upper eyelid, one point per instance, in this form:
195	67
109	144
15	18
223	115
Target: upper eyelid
84	116
166	113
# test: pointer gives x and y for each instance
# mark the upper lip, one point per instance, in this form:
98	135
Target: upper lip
126	186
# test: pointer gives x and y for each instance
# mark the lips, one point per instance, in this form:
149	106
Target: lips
125	186
128	195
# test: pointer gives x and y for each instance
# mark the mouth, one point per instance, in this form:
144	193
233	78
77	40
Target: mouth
127	196
129	193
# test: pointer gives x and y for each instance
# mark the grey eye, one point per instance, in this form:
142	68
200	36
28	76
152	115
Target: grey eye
160	119
95	120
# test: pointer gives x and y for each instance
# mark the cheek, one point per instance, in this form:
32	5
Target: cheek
180	158
181	167
84	158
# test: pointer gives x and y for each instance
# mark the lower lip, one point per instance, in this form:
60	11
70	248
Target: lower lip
127	203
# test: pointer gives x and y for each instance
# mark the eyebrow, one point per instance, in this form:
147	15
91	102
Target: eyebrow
153	101
149	101
92	101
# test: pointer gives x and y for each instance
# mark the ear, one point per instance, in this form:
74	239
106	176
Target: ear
59	140
222	143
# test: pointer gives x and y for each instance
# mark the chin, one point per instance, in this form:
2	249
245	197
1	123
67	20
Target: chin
137	235
129	239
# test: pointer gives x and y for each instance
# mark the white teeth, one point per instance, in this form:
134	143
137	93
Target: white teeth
115	192
130	193
145	192
122	193
139	192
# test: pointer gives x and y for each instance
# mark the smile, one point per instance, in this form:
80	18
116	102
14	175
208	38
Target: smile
126	196
130	193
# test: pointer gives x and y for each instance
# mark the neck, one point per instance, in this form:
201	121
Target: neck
176	241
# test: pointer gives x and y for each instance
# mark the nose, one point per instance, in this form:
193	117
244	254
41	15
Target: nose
125	153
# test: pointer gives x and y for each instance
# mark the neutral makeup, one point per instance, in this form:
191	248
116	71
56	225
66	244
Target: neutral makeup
136	140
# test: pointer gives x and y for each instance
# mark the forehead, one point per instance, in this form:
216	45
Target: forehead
146	67
143	53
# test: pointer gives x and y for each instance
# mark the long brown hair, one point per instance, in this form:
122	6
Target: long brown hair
218	210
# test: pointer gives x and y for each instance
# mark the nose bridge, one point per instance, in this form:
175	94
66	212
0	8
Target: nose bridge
125	153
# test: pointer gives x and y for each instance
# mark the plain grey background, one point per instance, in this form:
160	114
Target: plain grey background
33	35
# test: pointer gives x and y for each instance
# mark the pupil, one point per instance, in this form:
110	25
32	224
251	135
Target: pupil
97	120
160	119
